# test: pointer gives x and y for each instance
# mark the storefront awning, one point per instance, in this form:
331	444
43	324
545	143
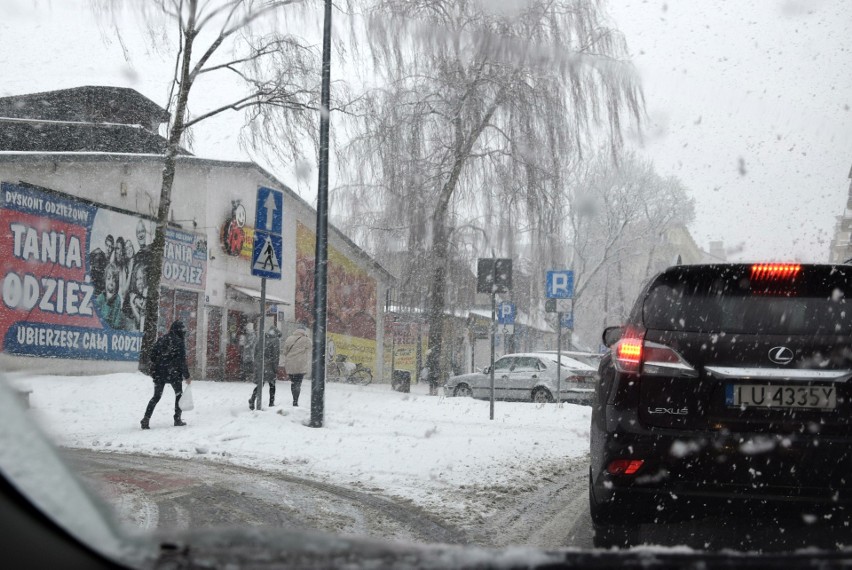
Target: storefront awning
255	294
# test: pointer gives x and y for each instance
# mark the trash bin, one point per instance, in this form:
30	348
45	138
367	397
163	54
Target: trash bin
401	381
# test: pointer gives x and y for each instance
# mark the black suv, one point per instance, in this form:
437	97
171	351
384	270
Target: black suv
729	390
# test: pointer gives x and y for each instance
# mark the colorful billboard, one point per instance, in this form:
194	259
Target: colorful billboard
351	299
73	275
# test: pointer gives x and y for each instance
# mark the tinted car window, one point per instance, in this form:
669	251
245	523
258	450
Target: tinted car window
708	301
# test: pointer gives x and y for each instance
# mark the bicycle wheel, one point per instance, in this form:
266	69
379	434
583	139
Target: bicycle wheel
362	376
333	373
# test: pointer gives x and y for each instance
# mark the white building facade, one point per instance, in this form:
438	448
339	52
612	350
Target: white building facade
70	299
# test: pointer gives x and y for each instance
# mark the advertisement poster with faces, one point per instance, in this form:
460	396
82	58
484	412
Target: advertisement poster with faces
74	275
351	299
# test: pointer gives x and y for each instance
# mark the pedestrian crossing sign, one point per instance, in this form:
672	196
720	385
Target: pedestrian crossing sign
266	255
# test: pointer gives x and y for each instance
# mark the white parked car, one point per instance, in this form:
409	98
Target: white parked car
529	376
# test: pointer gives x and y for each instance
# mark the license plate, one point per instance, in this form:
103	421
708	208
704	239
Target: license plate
774	396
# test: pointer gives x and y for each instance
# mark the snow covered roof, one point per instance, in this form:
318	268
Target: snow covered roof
522	319
90	103
30	135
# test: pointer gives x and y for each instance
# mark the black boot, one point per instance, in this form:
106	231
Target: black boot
179	422
144	423
251	403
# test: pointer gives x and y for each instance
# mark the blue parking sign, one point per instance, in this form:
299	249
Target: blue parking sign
559	284
506	313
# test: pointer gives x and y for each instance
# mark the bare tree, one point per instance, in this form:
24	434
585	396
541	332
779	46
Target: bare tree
469	99
224	37
621	213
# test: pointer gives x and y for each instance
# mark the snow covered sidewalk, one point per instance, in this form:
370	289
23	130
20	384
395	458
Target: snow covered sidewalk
426	449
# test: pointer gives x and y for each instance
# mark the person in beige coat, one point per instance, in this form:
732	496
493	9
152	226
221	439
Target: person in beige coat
297	359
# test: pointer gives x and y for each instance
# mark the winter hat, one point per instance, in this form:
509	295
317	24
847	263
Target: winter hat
178	328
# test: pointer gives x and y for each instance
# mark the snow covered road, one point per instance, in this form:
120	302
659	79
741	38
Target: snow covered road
166	494
441	455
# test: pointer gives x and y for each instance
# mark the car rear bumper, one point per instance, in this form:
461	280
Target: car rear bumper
641	505
712	472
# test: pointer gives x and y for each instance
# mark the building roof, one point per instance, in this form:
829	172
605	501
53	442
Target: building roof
88	104
58	157
82	119
64	136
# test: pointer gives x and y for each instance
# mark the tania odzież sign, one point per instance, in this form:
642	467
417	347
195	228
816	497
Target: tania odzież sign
72	277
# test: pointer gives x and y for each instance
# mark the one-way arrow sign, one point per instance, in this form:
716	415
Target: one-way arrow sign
268	217
270	208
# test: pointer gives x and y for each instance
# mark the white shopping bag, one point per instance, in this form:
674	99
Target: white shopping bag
186	403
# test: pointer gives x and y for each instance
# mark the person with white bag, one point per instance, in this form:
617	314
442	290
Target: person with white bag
168	366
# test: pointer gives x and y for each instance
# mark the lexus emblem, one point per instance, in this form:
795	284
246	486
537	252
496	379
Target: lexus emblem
780	355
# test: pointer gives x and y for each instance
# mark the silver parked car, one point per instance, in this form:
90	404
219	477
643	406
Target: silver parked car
529	376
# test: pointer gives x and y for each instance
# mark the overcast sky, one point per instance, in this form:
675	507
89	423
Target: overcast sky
749	105
768	83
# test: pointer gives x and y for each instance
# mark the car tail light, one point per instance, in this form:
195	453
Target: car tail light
628	350
633	354
774	271
624	466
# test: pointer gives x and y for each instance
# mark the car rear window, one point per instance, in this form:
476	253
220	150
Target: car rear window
729	299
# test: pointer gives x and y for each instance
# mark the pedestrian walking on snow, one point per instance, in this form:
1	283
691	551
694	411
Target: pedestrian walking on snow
297	359
272	353
168	366
248	344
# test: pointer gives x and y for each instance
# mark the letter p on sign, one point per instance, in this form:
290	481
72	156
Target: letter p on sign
506	313
560	284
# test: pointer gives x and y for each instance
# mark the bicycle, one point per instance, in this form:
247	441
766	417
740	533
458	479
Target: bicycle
340	370
361	375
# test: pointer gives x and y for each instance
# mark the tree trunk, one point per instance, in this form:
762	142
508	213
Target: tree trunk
152	301
437	300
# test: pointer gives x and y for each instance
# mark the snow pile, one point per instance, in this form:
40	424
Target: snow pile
431	450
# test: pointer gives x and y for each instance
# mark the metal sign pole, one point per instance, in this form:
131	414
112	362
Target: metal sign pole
493	334
493	328
558	357
258	370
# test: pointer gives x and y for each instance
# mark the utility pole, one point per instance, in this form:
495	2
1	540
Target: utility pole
321	257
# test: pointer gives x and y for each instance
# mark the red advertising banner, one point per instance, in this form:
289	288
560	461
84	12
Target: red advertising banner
73	275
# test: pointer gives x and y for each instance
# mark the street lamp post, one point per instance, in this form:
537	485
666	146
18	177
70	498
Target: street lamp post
321	257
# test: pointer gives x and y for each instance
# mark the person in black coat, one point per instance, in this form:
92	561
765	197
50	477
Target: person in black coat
168	366
272	352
